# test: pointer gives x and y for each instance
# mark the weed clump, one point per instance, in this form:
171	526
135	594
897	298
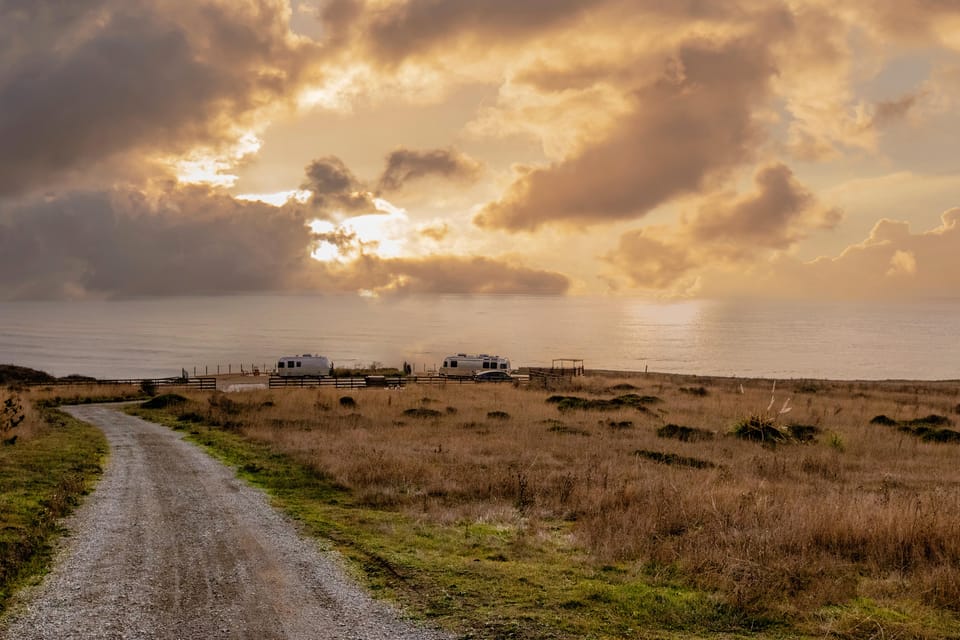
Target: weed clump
684	434
621	424
926	428
803	432
633	400
674	459
760	428
165	401
498	415
347	401
423	413
565	430
694	391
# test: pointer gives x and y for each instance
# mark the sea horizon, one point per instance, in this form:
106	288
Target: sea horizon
147	337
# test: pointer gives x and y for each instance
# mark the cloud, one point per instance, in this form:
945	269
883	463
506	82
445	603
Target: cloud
83	84
728	231
333	186
194	240
444	274
891	263
889	112
650	263
128	242
406	165
695	121
415	27
777	214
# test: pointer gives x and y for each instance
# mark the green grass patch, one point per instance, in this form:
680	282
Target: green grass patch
478	579
41	480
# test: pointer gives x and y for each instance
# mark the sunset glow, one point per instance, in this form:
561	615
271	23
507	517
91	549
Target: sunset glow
619	147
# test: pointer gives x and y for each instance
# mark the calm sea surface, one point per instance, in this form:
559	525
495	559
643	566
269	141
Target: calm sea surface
158	337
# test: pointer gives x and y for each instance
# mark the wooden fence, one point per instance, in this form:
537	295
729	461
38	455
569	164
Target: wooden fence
198	384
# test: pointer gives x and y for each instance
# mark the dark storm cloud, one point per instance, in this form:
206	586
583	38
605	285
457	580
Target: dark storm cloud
695	121
405	165
83	82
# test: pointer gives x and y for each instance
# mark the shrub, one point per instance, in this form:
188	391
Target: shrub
760	428
11	415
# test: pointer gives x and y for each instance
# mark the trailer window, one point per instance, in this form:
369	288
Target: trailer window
280	365
503	365
486	365
453	364
298	363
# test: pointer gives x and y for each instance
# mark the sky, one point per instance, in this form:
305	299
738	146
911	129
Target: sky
662	149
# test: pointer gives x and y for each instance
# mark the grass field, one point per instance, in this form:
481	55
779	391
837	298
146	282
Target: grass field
624	507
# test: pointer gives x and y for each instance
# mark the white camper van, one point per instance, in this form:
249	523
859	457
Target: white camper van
305	365
463	365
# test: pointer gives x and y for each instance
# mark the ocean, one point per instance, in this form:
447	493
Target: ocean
162	336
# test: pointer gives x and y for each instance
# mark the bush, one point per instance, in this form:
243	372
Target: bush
761	429
11	415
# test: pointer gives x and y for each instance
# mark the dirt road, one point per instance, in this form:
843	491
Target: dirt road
172	545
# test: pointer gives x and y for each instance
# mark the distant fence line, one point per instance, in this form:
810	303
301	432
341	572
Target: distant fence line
230	369
376	381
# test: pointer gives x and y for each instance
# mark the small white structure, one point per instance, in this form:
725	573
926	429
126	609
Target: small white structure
305	365
463	365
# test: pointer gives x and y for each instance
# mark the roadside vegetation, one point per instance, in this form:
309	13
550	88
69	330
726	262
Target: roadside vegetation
651	506
48	461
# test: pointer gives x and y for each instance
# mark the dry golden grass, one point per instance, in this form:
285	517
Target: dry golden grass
864	510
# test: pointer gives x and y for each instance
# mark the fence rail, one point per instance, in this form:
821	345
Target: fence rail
199	384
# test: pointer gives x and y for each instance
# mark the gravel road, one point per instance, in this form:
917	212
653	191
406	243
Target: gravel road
172	545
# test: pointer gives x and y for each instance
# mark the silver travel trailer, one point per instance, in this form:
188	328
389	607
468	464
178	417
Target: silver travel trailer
305	365
463	365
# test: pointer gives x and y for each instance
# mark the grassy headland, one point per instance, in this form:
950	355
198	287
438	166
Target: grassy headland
52	461
649	506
